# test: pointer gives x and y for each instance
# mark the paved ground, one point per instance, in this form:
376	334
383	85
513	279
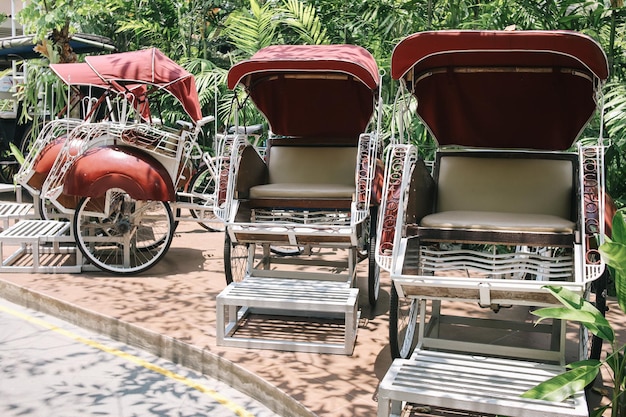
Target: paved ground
54	369
170	311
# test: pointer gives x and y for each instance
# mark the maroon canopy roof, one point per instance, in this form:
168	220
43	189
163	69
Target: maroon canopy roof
78	73
502	89
153	67
81	74
311	90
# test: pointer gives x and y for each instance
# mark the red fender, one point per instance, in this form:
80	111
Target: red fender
102	168
44	161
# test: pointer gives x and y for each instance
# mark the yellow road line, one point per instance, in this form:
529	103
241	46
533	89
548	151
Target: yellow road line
240	411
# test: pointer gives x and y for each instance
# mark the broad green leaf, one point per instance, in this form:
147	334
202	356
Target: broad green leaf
564	385
594	321
571	299
618	230
614	254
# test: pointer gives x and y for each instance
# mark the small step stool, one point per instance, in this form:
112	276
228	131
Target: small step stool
11	213
38	237
287	297
472	383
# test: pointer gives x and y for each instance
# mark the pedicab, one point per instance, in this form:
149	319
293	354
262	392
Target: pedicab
300	215
510	203
90	99
316	184
117	179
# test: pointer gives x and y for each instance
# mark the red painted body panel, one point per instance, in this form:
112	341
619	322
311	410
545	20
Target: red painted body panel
103	168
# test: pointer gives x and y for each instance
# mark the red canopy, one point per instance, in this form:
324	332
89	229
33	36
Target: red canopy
153	67
78	73
311	90
81	74
502	89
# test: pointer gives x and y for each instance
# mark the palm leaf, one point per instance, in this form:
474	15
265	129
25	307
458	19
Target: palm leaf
304	20
251	30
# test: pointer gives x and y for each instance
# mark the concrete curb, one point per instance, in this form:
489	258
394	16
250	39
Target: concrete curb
171	349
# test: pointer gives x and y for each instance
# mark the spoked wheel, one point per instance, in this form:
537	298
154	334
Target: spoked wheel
373	270
122	235
48	211
402	325
202	188
235	260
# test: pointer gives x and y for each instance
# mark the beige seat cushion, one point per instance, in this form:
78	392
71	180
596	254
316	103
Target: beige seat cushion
300	190
498	221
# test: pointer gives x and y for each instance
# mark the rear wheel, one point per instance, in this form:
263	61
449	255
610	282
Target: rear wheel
373	270
202	190
402	325
122	235
235	260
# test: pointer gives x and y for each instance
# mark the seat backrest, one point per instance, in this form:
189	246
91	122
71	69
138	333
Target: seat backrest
542	183
312	164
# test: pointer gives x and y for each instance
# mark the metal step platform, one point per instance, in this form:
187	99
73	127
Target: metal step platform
475	384
11	213
297	315
41	246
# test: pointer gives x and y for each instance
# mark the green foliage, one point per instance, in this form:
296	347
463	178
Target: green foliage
253	29
575	307
613	252
216	34
41	17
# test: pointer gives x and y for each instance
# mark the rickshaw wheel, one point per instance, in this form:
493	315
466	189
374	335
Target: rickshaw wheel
402	325
203	183
373	270
48	211
235	260
122	235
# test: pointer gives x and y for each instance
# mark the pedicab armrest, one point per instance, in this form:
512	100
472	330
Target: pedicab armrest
252	172
421	198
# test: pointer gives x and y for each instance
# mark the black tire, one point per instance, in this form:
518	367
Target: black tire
373	270
235	260
122	235
594	343
402	325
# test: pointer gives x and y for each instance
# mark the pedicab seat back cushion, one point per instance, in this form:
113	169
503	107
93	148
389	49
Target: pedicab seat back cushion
522	193
310	172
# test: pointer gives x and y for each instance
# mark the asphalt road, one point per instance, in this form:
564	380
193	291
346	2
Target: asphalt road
50	368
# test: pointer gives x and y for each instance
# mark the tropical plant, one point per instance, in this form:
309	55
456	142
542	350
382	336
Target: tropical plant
57	20
576	308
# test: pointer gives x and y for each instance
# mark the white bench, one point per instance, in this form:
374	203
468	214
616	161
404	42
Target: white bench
472	383
287	297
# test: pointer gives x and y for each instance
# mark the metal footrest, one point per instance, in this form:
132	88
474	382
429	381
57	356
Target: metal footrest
35	238
298	315
472	383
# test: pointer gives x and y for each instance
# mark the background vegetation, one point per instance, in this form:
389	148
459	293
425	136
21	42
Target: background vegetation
207	37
